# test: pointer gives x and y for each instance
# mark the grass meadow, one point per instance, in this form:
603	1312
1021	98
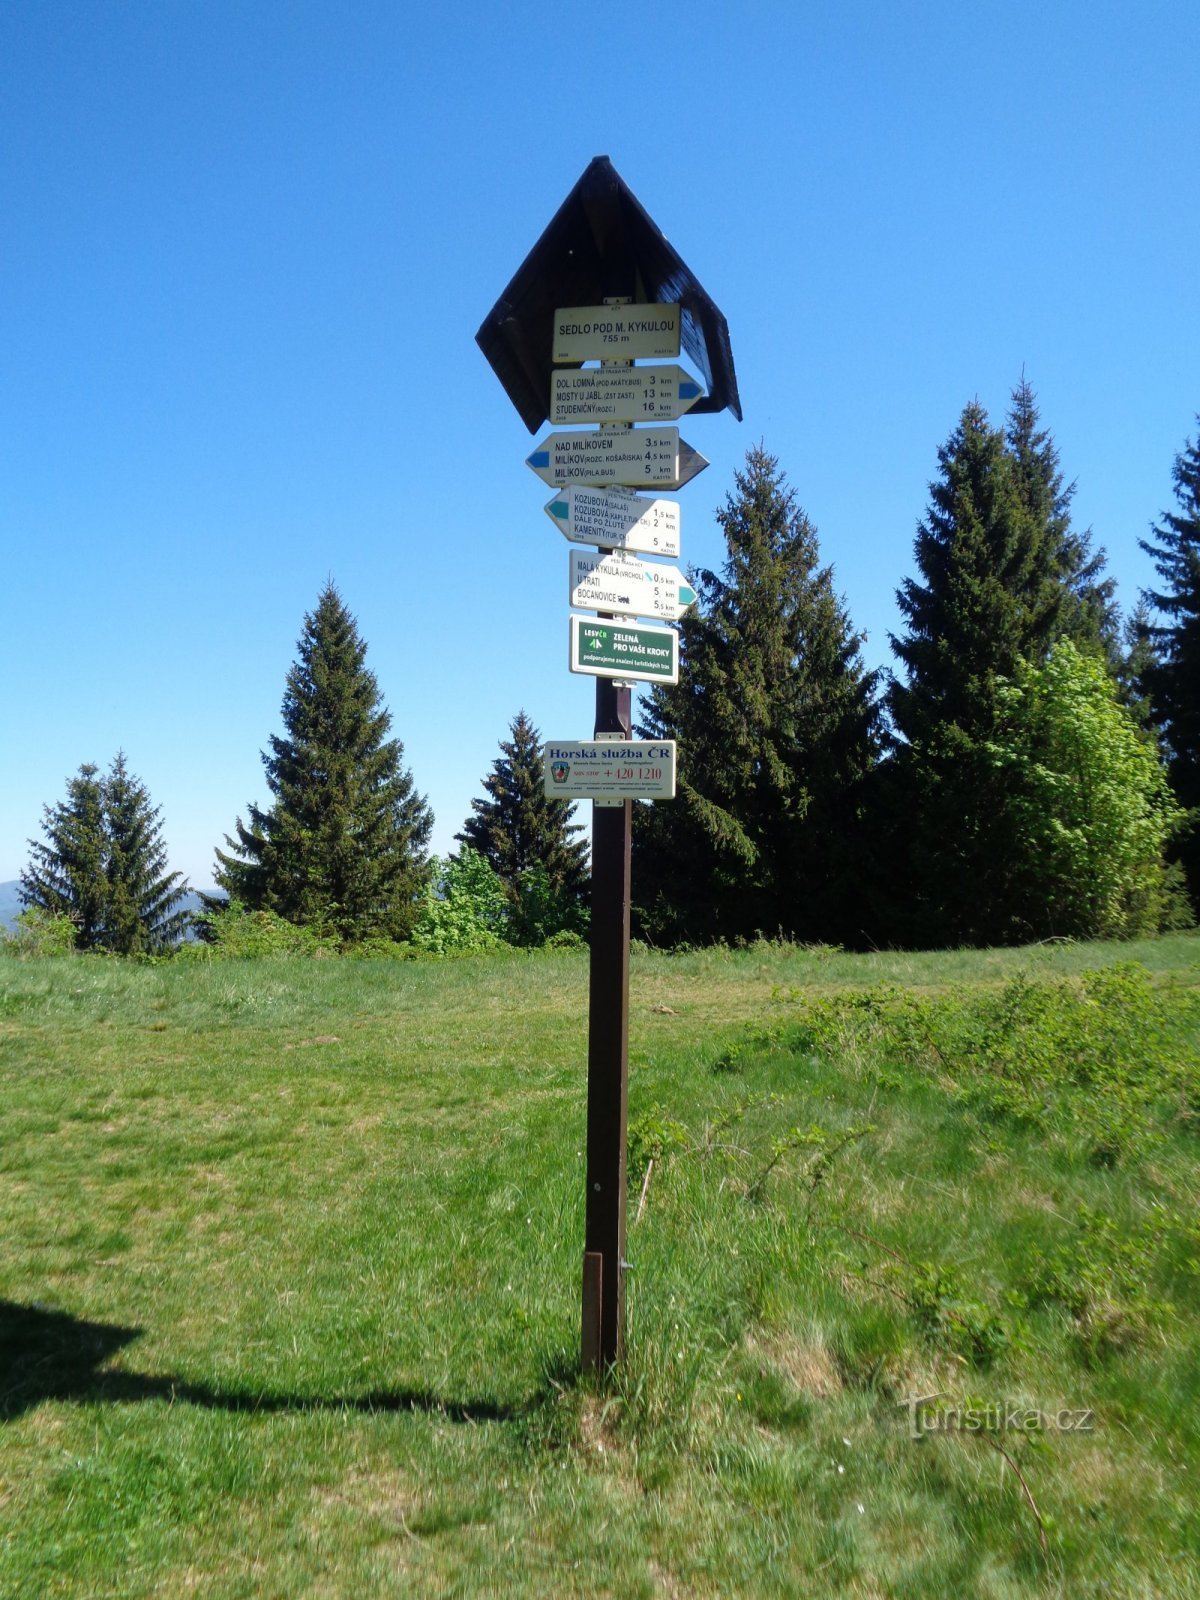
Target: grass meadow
290	1271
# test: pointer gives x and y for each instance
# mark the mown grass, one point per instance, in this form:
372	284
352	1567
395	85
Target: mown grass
290	1257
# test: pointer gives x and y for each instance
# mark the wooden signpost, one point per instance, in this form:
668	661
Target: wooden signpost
655	457
628	586
621	394
616	519
603	284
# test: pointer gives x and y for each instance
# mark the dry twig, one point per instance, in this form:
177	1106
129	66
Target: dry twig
645	1190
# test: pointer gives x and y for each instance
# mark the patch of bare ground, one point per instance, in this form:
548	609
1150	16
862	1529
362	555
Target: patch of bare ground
666	1583
926	1375
597	1427
45	1423
805	1364
1023	1197
385	1496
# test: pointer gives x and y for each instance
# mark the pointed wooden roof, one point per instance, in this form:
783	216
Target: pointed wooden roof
600	242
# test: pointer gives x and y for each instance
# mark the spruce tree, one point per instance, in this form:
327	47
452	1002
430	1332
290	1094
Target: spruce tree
1077	598
989	602
985	604
1003	577
776	723
103	865
1138	656
65	875
518	827
1170	677
143	913
343	845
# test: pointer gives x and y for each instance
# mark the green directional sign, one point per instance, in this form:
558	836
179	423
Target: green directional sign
629	651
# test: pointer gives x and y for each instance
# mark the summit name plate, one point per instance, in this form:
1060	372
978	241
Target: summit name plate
616	333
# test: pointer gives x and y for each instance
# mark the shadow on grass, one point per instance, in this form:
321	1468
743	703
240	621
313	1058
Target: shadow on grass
51	1355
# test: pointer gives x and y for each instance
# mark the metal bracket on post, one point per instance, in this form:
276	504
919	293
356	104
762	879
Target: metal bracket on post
621	733
593	1299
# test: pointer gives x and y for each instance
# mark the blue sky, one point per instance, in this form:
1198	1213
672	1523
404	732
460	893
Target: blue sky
245	250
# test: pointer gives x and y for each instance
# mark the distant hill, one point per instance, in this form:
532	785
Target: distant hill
10	903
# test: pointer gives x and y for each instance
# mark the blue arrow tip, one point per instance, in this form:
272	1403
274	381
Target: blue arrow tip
539	458
689	390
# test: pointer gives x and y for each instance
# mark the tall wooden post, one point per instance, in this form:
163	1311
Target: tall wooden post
603	1334
608	1057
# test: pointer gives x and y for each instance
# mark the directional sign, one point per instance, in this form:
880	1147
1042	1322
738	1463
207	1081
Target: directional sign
616	333
595	769
616	519
630	587
631	456
621	394
629	651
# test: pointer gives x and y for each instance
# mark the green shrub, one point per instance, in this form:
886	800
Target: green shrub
466	908
379	949
234	932
1103	1064
954	1319
1100	1279
39	933
651	1137
1091	802
544	910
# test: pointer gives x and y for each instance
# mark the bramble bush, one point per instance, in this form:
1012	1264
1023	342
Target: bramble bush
1100	1072
1103	1063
